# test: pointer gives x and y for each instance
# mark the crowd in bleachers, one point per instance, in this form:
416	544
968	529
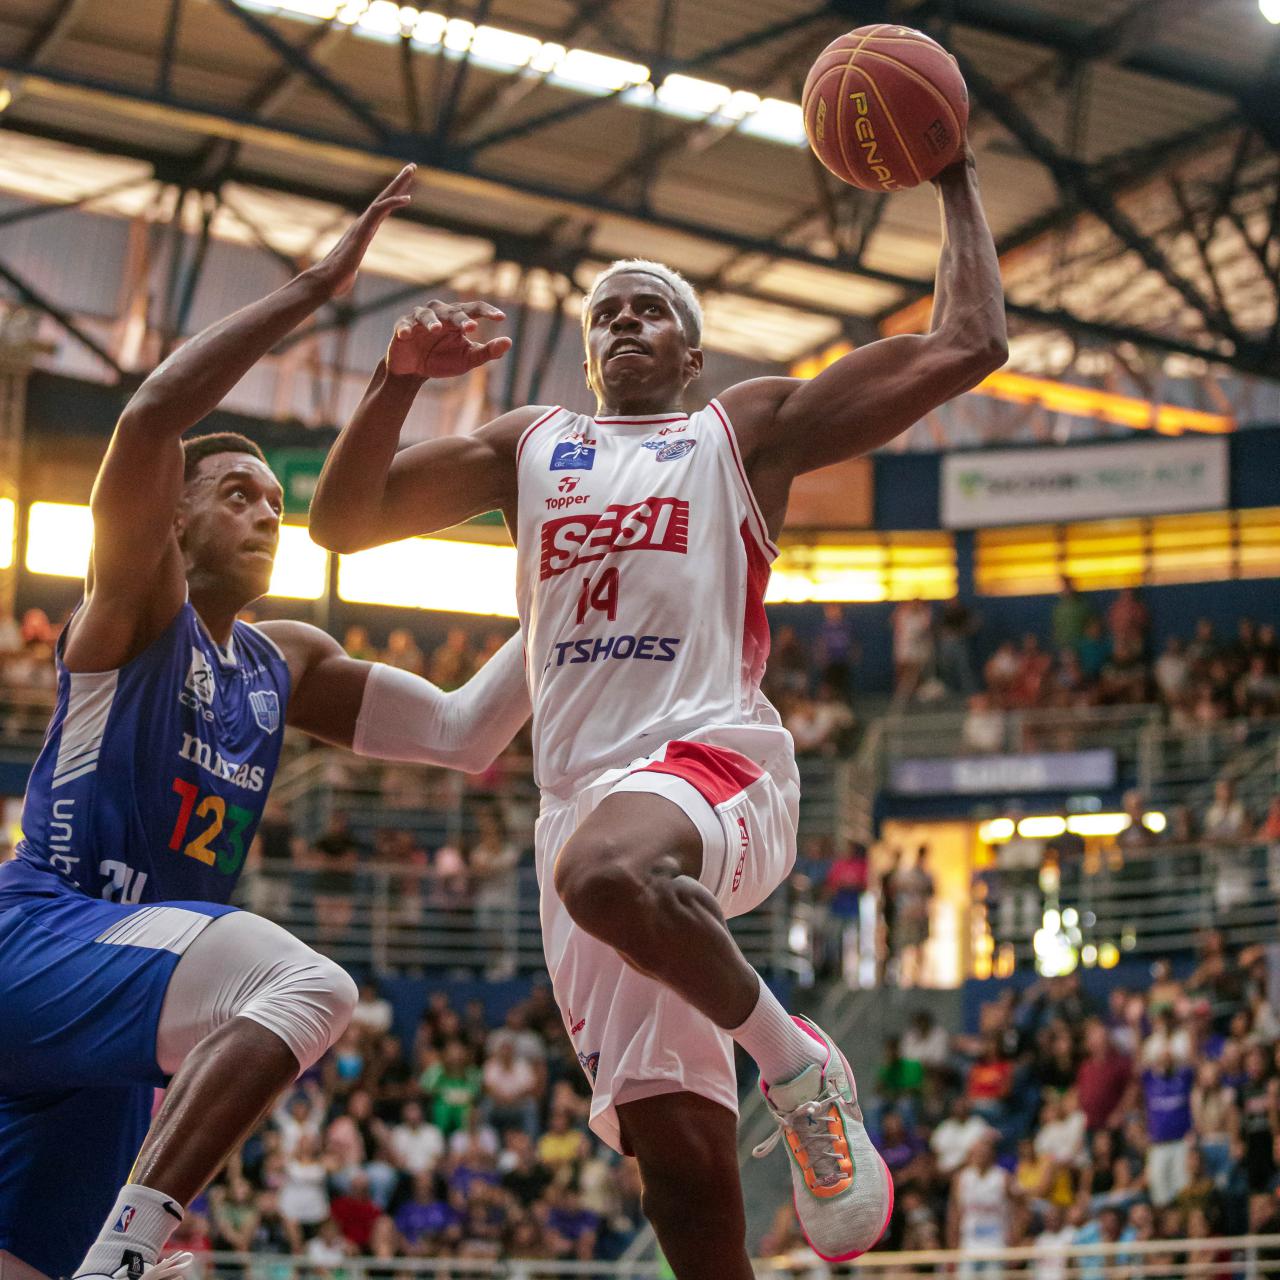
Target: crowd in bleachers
470	1141
1153	1114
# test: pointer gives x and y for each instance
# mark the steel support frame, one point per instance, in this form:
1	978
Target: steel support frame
1081	189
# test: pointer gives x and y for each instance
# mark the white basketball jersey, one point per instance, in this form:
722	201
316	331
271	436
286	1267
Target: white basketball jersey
643	560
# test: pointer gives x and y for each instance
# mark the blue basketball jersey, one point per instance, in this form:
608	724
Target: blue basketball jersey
153	777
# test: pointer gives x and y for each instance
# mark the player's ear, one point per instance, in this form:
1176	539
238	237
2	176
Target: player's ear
693	364
586	374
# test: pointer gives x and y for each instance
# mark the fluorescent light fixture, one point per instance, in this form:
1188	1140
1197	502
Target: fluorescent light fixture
1097	824
432	573
302	569
59	535
8	531
1041	828
996	830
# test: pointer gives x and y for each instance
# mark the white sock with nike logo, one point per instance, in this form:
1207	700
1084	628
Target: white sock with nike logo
141	1222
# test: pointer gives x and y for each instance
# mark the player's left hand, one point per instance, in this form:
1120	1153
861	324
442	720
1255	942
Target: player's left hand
964	161
436	341
337	269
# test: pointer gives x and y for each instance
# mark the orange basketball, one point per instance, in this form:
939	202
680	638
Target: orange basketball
885	107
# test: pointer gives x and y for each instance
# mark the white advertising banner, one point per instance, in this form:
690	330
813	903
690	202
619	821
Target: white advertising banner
1032	486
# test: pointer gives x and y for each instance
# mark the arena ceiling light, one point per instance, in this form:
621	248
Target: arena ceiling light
432	573
1042	828
60	534
1270	10
8	531
580	70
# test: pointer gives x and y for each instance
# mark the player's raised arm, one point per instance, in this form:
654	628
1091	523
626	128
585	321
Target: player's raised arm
871	395
389	714
368	493
137	490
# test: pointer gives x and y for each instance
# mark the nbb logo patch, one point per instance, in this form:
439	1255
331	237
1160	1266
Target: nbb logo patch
657	524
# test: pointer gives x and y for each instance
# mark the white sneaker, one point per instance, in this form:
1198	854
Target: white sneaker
133	1268
842	1189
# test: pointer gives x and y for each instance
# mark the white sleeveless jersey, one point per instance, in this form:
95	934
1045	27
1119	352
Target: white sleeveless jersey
642	565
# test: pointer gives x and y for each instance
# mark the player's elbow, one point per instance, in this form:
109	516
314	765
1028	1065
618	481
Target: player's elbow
335	534
976	351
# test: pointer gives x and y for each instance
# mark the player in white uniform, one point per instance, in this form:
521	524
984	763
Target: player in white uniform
669	788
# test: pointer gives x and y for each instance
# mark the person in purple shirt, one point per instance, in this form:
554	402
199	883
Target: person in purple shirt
574	1224
1167	1090
423	1216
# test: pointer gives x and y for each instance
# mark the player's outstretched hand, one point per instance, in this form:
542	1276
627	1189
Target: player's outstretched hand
436	341
337	269
963	162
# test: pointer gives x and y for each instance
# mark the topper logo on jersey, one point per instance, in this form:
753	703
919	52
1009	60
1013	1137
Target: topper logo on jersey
567	496
657	524
200	689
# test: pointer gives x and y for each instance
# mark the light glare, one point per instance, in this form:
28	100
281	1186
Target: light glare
1271	11
8	531
432	573
1045	828
302	569
59	535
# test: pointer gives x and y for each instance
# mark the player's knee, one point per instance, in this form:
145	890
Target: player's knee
308	1002
673	1181
598	887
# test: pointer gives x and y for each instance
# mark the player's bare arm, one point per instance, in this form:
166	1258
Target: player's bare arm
137	579
787	426
368	493
394	715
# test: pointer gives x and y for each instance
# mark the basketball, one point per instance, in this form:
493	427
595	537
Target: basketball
885	108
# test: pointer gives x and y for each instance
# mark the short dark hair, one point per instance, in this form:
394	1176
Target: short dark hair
197	448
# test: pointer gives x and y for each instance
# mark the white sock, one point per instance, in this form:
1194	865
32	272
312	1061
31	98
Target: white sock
141	1222
781	1049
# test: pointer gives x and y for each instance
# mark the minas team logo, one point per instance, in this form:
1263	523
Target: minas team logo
266	709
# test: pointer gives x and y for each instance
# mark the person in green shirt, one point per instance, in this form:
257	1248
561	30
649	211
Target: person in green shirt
900	1079
454	1085
1071	614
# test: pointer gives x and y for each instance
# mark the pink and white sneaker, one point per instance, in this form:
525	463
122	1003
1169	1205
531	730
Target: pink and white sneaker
842	1189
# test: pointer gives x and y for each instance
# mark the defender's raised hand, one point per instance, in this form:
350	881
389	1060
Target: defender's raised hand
436	341
337	269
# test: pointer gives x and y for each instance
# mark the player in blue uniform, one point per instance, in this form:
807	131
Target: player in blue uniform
121	964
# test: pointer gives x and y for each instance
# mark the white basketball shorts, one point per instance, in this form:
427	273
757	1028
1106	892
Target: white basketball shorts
634	1037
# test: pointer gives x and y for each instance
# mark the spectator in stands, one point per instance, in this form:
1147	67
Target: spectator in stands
982	1197
1094	649
956	629
1128	620
787	674
913	891
454	1085
334	858
304	1193
1001	673
837	650
417	1145
355	1212
452	662
820	725
1257	691
990	1081
1071	614
912	624
1104	1079
953	1141
1173	671
512	1086
1123	679
984	725
1028	686
372	1014
1167	1086
359	646
493	864
925	1042
1225	818
900	1080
